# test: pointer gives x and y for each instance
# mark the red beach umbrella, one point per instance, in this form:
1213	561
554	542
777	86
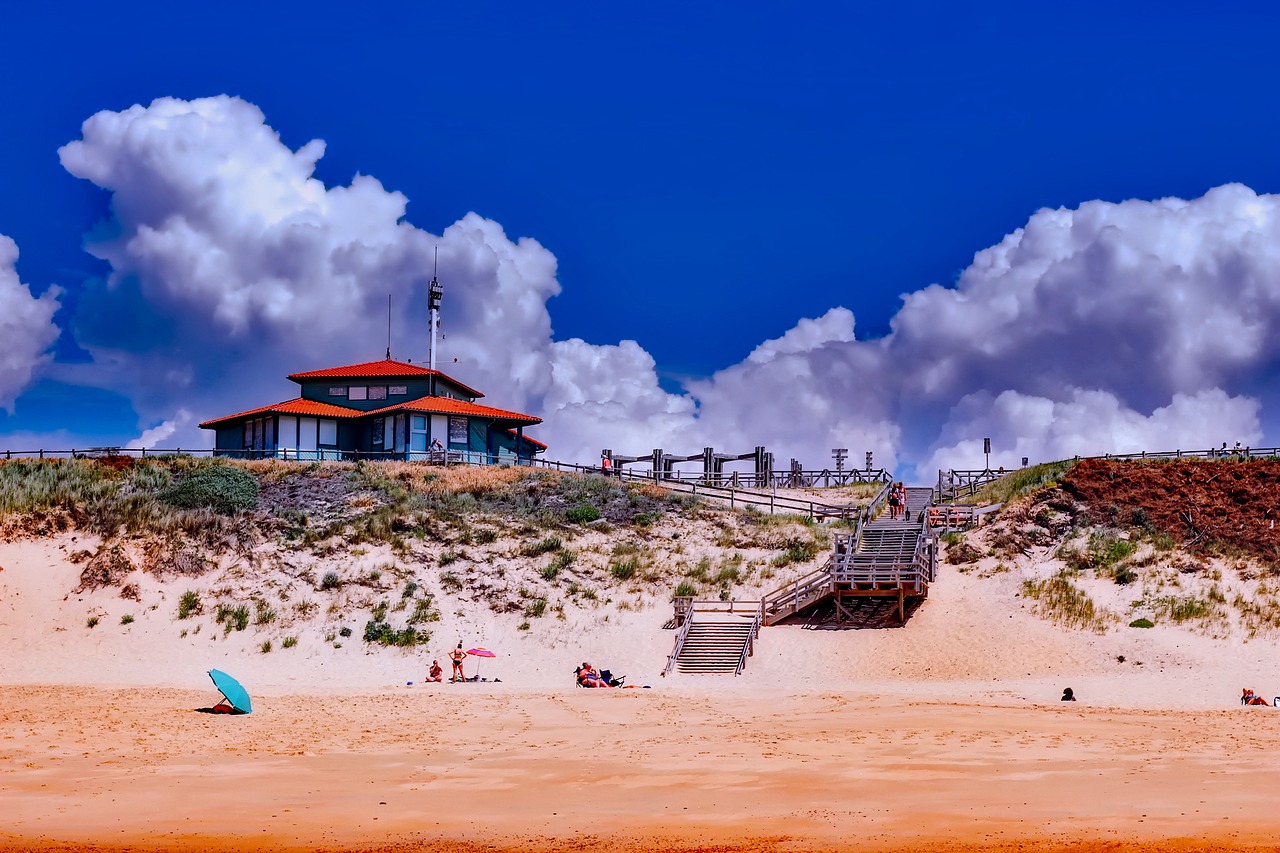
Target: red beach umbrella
480	652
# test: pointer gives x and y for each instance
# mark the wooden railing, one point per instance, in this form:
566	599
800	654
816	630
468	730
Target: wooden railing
681	636
950	517
793	597
750	648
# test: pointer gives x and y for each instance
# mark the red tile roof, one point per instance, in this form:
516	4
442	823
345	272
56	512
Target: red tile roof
530	440
300	406
387	368
450	406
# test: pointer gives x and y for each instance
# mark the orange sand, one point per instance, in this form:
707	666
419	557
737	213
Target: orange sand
486	767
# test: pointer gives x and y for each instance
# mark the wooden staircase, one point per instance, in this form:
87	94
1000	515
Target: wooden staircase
884	558
714	648
716	638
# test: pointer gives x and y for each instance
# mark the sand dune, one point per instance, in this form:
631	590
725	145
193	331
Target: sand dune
943	734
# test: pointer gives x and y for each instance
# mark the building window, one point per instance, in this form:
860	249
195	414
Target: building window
358	392
398	390
338	391
377	432
328	433
377	392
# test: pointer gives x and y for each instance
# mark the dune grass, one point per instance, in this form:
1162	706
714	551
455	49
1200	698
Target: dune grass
1018	483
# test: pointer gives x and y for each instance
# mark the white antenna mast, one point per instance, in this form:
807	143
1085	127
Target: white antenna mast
435	292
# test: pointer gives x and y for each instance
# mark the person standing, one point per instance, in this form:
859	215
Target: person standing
457	656
606	465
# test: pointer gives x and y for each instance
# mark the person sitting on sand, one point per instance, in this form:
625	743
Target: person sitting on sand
1248	697
588	677
457	656
1068	695
435	673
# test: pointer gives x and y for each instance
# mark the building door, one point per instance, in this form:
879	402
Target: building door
418	433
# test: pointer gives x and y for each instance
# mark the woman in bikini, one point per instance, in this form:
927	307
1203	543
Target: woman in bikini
457	656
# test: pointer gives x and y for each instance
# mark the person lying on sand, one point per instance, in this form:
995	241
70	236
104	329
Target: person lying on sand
1248	697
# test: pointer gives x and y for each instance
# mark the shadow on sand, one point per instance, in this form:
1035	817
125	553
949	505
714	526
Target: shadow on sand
860	614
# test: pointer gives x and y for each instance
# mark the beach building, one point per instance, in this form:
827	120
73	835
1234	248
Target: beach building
378	410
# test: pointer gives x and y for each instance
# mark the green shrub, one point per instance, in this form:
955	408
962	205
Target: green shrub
264	614
1141	623
451	582
189	604
289	642
220	488
344	631
1064	602
535	608
624	570
685	589
546	546
645	519
380	632
236	616
423	612
331	580
126	619
582	514
1125	575
449	558
265	647
92	622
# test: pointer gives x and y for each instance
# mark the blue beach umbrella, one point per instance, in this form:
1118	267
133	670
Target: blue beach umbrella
235	694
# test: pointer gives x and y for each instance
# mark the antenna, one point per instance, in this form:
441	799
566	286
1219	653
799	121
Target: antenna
388	327
435	292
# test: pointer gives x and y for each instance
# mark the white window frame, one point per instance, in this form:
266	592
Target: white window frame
358	392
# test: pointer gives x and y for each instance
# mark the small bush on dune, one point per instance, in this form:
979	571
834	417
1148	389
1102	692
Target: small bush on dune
1063	602
684	589
582	514
189	604
624	570
222	488
1141	623
546	546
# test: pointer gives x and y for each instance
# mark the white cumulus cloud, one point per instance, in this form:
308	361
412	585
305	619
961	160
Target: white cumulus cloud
26	326
1110	327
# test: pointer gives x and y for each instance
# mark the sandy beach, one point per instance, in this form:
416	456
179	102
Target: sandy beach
702	768
945	733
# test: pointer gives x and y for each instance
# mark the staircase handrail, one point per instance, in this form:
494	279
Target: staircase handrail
681	636
748	648
870	510
790	594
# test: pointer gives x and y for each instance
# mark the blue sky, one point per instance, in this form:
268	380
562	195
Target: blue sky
705	177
